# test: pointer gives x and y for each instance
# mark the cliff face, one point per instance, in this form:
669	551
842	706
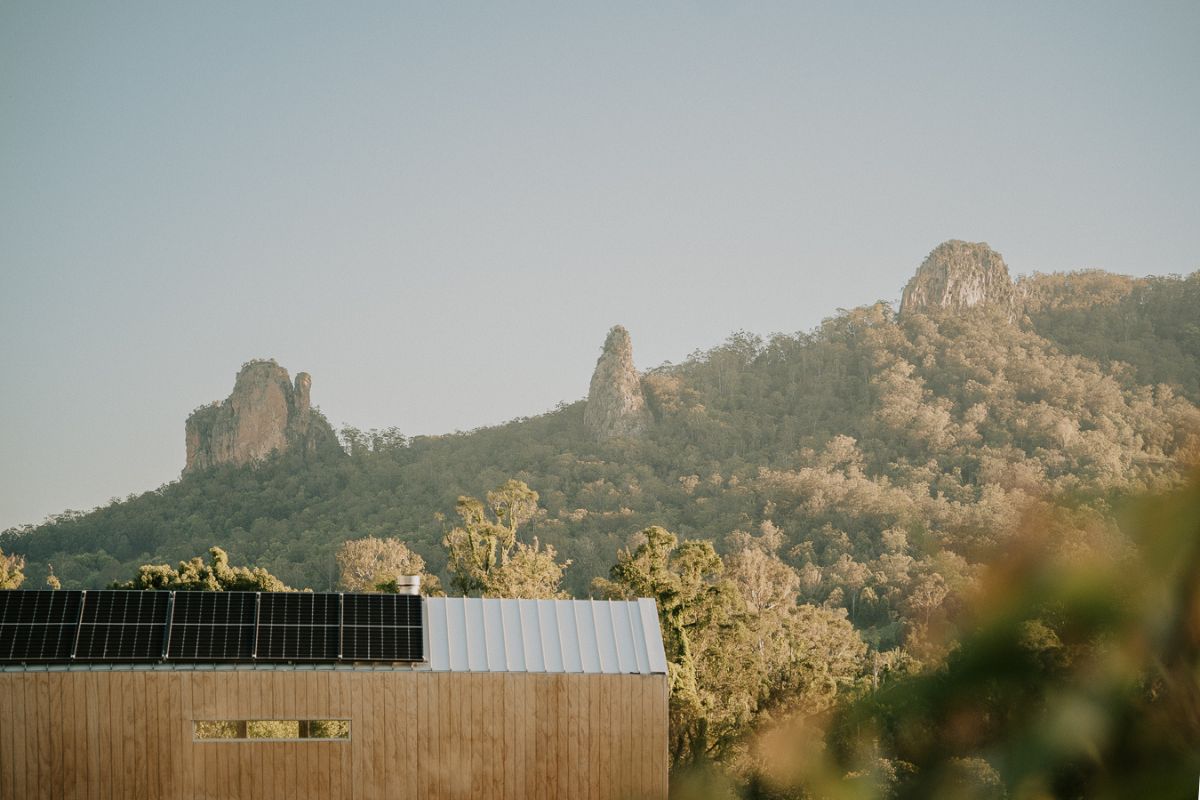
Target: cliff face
960	275
615	405
266	413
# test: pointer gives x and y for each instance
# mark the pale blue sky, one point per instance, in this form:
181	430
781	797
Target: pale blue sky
439	209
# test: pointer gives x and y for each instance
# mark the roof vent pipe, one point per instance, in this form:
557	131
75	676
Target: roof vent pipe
408	584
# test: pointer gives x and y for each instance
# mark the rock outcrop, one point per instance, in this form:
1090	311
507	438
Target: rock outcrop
960	275
266	413
616	405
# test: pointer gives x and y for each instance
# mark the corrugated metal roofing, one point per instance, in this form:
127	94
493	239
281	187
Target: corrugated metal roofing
472	634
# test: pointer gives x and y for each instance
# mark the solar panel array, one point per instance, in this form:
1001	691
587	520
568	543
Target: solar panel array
117	626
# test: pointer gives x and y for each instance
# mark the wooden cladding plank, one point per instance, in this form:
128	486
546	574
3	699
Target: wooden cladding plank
55	781
413	734
335	711
431	763
624	731
32	740
493	731
535	761
8	772
508	738
318	700
24	757
639	732
424	736
528	737
173	731
250	759
70	745
473	721
241	690
360	755
298	755
592	701
560	767
91	688
141	721
578	717
460	767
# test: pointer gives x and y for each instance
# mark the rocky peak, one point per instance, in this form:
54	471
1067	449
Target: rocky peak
302	390
265	413
960	275
615	405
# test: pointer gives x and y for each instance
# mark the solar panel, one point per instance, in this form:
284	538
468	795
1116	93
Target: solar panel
381	627
212	626
138	626
122	626
298	626
37	626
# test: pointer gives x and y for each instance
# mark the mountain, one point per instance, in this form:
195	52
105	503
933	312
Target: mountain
266	413
960	275
616	405
891	449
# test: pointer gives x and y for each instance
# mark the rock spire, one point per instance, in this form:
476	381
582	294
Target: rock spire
616	405
960	275
266	413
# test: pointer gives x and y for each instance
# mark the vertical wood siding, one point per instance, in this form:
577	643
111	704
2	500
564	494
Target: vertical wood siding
128	734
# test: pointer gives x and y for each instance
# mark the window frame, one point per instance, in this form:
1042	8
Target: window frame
197	738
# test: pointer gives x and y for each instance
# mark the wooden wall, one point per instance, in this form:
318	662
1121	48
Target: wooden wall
127	735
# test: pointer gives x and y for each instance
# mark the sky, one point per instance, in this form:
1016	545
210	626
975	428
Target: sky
439	209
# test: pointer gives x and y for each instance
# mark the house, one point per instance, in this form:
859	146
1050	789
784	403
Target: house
121	694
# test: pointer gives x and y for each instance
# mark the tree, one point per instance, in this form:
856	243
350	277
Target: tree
530	570
371	564
695	606
485	556
1073	674
796	660
11	576
738	646
195	575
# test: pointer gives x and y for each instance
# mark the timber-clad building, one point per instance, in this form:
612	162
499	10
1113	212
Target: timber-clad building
121	694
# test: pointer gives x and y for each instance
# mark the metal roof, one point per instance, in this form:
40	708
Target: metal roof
472	634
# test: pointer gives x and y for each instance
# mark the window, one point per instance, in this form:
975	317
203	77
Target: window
249	730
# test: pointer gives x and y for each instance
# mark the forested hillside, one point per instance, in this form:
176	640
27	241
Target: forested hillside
1152	325
914	439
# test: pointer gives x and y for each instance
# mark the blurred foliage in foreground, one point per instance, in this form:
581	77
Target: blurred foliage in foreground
1078	676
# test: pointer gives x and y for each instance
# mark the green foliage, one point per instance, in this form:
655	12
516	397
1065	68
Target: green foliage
273	729
739	648
1075	677
691	599
11	575
195	575
485	556
1150	325
373	564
